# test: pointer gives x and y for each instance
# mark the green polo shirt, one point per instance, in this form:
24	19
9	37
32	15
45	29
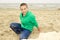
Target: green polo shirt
28	21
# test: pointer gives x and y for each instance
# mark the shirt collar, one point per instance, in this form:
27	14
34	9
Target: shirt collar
26	13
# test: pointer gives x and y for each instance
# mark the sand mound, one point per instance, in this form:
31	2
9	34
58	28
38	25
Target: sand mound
48	36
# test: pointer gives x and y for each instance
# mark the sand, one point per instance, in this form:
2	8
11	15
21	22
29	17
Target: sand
49	21
48	36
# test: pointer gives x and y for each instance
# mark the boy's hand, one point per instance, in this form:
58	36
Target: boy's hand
39	29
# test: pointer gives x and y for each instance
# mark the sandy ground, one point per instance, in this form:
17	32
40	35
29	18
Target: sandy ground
48	36
49	21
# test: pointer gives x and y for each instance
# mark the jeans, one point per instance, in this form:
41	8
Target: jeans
24	33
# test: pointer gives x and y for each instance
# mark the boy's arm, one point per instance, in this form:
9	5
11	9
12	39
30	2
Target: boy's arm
33	19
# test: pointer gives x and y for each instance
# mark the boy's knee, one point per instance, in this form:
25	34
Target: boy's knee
15	25
12	25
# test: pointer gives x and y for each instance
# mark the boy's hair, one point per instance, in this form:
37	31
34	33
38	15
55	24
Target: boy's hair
22	4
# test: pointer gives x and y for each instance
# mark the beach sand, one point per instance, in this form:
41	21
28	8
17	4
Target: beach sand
48	20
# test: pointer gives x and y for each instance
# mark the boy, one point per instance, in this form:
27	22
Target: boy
28	22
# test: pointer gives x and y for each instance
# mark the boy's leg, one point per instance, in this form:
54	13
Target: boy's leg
16	27
25	34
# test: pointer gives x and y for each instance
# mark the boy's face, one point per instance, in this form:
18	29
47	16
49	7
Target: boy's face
24	9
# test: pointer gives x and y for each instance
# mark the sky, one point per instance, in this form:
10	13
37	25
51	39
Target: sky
30	1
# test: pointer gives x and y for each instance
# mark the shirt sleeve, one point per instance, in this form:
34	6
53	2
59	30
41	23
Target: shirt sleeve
34	21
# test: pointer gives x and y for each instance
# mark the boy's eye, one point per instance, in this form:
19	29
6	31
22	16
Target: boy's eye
21	9
24	8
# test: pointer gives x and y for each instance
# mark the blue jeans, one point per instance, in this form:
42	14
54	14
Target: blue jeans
24	33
